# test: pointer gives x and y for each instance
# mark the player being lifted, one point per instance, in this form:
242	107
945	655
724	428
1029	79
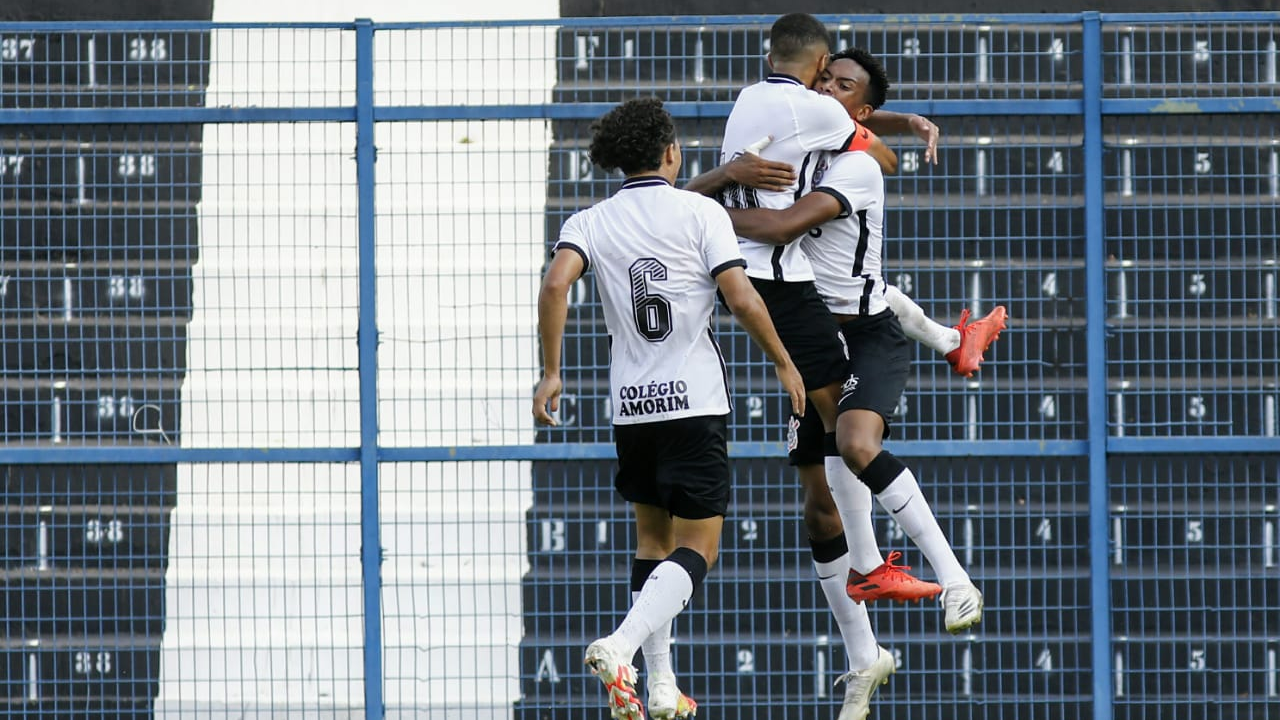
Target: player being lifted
840	223
801	123
659	255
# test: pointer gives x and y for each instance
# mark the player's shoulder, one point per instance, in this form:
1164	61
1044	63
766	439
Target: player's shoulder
852	163
695	203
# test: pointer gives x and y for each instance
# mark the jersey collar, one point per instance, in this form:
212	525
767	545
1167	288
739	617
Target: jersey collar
784	79
644	181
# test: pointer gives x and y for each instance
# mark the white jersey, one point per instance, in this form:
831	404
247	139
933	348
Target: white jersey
847	252
802	123
656	252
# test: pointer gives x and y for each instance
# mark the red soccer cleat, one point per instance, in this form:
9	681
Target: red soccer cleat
889	582
975	338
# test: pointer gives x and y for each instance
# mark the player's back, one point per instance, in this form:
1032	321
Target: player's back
655	250
801	123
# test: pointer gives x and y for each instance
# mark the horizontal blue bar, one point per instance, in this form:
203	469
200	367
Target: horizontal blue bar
80	116
149	455
605	451
762	20
1182	106
1184	17
201	25
1186	445
679	109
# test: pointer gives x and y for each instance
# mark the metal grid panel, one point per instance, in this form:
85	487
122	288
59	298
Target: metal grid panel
759	639
1191	58
1195	585
1193	203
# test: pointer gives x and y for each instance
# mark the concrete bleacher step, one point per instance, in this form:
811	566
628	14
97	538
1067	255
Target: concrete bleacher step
108	171
150	485
763	667
1191	228
56	290
92	537
95	409
1225	59
1031	482
1190	165
1233	668
1177	537
133	59
74	232
773	536
76	709
81	601
88	348
111	667
789	600
1218	600
1241	287
1189	405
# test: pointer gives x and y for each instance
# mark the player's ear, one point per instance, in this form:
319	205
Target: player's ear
672	154
863	113
768	58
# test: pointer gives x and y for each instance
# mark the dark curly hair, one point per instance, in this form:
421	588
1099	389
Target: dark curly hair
792	34
878	83
632	136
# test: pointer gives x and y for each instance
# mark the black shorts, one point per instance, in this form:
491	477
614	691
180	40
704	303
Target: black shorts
879	360
679	465
807	330
804	439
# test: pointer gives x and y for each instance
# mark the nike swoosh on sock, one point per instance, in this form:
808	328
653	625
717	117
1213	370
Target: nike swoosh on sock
904	505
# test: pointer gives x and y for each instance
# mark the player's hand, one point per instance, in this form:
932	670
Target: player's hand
928	132
791	381
751	170
547	394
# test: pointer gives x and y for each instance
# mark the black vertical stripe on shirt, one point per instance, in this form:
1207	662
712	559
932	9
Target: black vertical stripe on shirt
864	233
864	303
776	261
804	167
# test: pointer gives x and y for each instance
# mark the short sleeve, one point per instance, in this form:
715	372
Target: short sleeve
824	124
719	243
855	180
572	238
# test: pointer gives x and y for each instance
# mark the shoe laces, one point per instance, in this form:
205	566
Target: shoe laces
964	318
890	568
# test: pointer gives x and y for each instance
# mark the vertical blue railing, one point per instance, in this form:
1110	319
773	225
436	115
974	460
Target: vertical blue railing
370	522
1095	312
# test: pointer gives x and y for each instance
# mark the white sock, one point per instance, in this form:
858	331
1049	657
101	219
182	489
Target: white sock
921	327
656	648
853	500
663	596
907	505
851	617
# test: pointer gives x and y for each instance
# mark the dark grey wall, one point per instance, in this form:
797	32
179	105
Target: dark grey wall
106	9
594	8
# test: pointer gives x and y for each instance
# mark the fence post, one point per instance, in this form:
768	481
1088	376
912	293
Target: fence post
370	535
1095	312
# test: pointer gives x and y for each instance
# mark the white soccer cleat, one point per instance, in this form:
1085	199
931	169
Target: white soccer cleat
963	605
614	670
860	684
666	702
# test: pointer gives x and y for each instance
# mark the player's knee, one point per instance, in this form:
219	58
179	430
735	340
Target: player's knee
821	520
858	448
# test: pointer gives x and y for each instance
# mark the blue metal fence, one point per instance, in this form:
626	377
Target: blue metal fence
1109	476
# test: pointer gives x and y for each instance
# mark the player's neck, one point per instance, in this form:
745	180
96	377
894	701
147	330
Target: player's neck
805	73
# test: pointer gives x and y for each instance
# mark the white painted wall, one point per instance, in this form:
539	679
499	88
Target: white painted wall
264	603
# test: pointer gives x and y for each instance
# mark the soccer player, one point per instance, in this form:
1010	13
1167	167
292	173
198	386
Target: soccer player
841	225
660	255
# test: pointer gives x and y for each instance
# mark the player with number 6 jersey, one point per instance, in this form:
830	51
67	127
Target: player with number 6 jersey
660	255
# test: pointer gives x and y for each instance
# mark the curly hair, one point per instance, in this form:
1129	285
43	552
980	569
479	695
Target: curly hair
878	82
632	136
792	34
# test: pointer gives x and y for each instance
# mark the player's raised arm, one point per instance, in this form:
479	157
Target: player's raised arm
747	306
887	122
779	227
553	310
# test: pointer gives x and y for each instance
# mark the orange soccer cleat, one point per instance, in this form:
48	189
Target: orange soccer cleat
975	338
889	582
